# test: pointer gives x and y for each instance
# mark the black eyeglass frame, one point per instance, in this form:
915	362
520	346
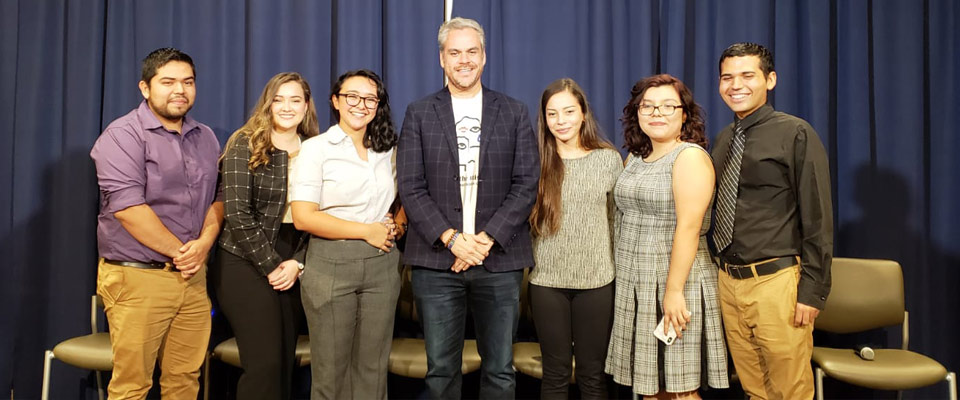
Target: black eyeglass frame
659	108
353	100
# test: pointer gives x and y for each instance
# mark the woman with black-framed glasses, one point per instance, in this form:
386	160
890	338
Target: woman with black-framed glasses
664	270
344	190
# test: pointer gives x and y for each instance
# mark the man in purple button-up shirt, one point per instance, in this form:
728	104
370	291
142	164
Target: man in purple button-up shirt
160	213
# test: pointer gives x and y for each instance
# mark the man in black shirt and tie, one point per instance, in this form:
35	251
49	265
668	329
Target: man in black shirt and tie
773	231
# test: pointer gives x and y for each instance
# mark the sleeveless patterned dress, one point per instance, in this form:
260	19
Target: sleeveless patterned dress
644	237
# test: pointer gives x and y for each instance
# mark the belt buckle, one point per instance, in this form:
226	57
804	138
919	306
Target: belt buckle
736	271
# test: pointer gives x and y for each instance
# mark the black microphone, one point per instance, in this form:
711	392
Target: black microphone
865	352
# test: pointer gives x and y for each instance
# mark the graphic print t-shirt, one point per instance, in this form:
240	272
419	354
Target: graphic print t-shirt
467	115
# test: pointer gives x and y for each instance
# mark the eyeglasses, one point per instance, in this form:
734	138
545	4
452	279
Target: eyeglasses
666	110
354	99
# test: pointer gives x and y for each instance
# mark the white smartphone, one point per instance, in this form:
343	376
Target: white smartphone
669	337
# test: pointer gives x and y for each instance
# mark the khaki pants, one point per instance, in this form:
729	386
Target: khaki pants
771	356
155	315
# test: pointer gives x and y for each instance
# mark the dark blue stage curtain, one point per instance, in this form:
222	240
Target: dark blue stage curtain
71	67
605	46
879	80
52	63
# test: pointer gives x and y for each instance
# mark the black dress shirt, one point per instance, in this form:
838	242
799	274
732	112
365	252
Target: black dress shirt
783	203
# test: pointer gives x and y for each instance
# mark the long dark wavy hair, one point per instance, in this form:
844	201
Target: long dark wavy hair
545	218
256	131
637	142
380	136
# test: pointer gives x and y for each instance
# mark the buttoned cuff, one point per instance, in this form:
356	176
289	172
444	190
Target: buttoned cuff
811	294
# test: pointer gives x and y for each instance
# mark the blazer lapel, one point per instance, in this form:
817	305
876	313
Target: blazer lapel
444	108
491	107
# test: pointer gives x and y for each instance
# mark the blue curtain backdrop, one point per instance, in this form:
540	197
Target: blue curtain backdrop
879	80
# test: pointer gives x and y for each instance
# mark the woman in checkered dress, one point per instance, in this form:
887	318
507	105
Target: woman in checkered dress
663	264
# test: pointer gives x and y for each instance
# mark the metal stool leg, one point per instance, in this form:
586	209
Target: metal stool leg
99	385
206	377
952	382
818	373
47	359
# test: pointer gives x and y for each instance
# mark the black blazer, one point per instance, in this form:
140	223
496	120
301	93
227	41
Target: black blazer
428	180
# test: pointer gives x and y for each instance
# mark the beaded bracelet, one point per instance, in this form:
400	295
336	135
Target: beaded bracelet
453	238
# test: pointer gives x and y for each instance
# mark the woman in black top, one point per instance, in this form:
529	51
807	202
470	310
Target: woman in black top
260	253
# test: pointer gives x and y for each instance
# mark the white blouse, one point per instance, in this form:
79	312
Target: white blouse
331	174
291	177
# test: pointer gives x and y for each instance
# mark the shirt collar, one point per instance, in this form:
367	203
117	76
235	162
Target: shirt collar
149	121
761	114
335	135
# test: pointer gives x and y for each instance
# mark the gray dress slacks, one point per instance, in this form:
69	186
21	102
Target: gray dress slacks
349	291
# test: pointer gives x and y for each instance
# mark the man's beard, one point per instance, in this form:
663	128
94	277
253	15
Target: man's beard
172	115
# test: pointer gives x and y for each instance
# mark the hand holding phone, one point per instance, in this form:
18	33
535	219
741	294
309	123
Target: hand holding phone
667	338
671	334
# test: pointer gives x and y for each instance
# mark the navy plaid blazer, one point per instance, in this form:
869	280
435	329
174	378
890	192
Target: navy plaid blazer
428	180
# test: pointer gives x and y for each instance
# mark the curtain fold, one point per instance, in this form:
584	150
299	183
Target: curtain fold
56	58
9	12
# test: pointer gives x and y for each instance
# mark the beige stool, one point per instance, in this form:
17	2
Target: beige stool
528	360
408	356
91	351
868	294
228	352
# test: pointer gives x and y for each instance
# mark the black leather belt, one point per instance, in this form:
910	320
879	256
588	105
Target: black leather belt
765	267
142	265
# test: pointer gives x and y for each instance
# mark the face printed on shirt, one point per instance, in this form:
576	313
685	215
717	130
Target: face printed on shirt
171	92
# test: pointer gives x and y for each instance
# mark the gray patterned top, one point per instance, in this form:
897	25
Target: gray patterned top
580	254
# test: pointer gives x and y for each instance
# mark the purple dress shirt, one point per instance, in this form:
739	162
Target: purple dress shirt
141	162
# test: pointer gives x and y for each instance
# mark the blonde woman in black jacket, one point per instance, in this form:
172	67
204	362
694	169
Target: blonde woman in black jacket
260	255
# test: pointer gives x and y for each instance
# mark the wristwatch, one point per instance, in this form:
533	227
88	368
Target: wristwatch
300	267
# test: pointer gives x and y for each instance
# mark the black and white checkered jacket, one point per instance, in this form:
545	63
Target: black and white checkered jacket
254	207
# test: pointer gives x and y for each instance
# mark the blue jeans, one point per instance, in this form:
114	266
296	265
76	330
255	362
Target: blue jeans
442	298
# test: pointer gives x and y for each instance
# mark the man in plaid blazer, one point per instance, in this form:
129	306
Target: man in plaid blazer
467	171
